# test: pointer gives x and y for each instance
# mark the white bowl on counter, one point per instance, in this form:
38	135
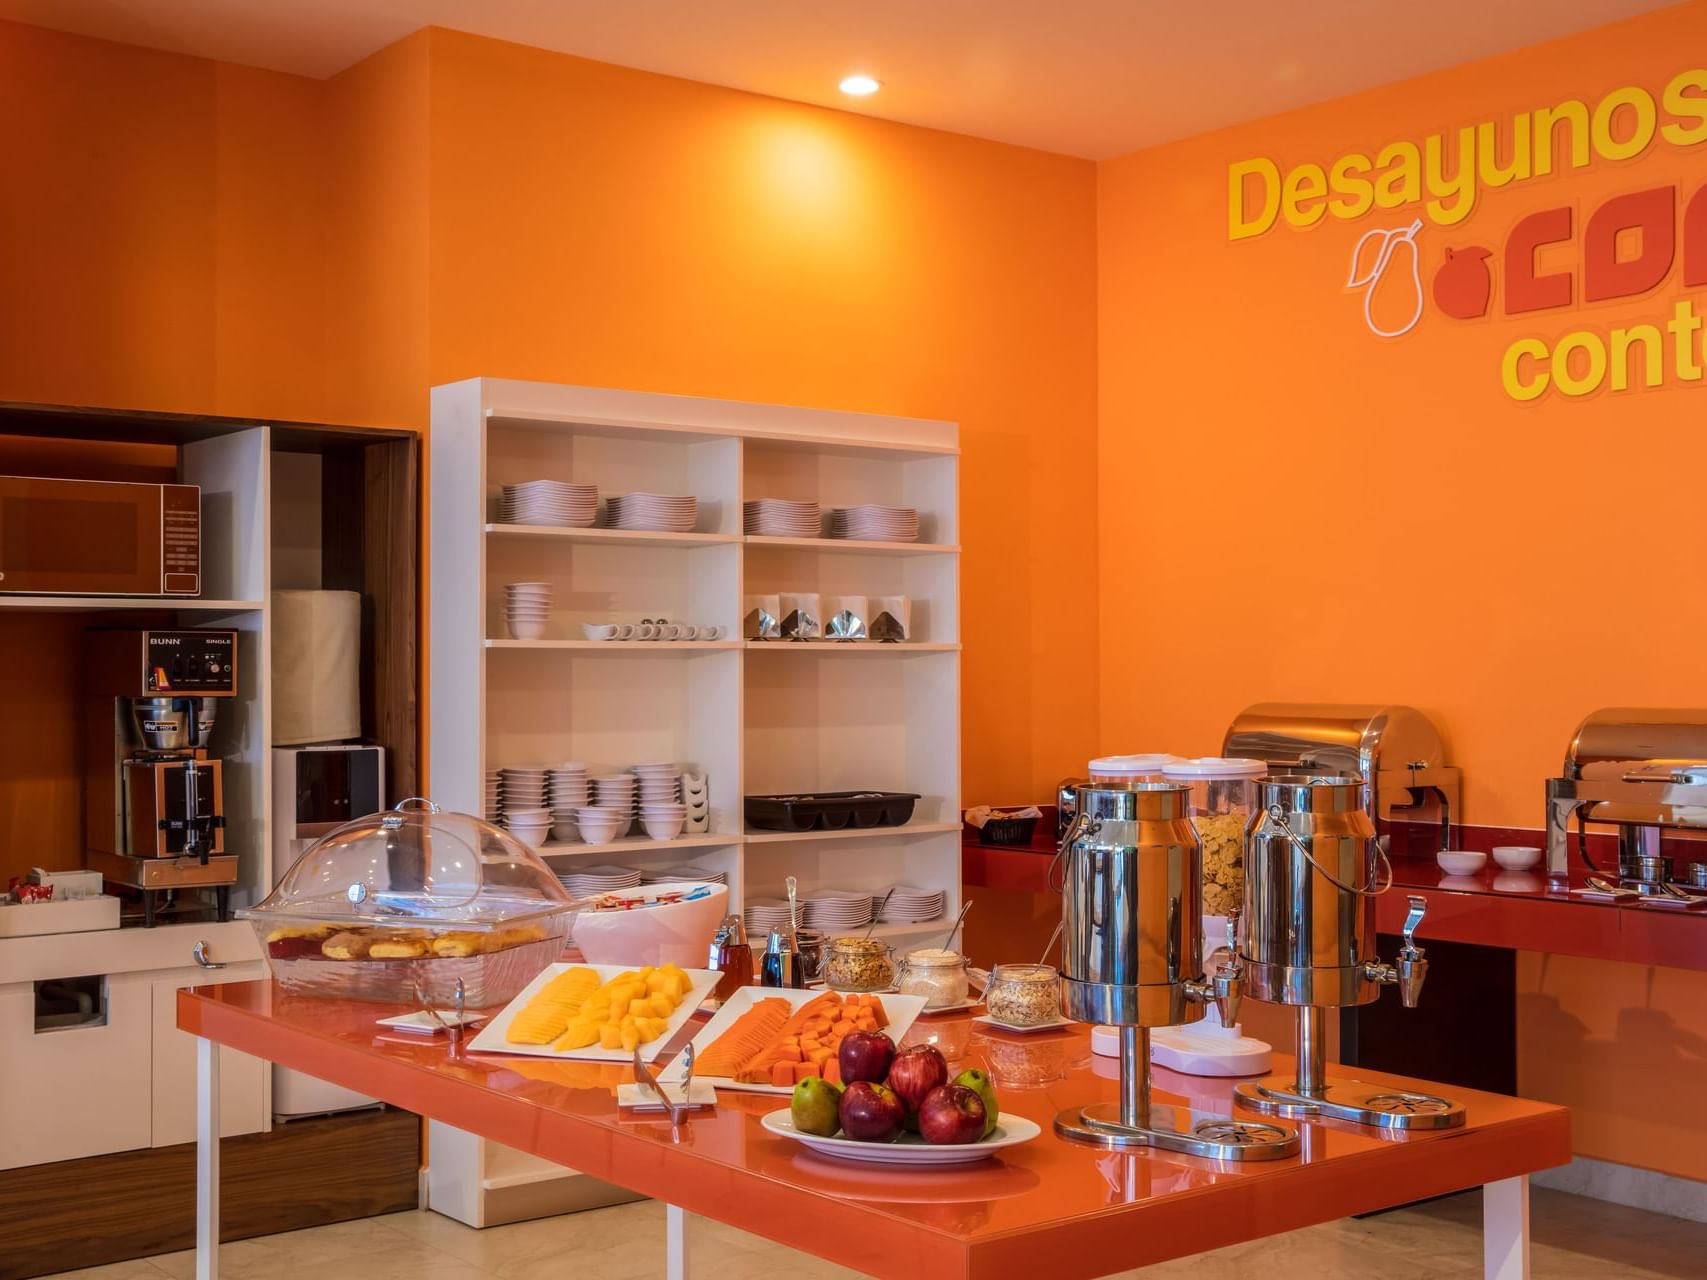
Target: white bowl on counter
1461	862
673	933
1517	857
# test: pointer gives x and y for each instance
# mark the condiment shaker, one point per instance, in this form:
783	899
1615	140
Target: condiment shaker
778	968
731	956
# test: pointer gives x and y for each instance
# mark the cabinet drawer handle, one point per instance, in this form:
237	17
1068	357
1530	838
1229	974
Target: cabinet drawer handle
199	951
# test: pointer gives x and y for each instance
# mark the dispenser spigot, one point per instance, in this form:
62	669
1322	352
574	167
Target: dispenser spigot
1412	965
1225	989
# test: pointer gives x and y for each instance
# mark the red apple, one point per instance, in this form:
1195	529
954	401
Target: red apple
914	1073
872	1113
865	1055
951	1114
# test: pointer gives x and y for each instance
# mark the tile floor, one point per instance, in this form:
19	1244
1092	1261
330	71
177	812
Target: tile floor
1575	1239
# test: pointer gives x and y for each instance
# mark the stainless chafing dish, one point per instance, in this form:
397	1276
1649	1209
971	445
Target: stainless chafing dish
1642	771
1395	748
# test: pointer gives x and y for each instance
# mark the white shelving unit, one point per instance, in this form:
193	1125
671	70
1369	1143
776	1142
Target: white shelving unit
758	718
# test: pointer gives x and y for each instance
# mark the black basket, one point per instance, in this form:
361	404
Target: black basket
1007	831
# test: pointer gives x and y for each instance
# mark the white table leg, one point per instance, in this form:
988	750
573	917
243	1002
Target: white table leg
207	1160
1505	1229
675	1243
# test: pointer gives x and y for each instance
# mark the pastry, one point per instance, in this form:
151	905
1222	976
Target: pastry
458	944
397	949
345	946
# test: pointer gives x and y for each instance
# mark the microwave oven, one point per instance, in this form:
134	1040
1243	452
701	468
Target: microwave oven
99	538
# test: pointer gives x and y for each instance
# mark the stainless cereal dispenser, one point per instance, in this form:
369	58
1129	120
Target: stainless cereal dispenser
1132	958
1307	939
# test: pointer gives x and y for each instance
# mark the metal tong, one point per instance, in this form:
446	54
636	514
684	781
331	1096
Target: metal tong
643	1077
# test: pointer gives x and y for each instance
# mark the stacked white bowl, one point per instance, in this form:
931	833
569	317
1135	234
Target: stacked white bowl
527	606
568	792
492	796
616	791
662	812
530	826
524	787
600	824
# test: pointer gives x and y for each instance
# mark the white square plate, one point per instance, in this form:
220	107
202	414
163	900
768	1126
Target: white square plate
491	1038
903	1011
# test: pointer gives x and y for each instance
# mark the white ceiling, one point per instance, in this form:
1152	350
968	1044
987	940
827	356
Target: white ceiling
1093	78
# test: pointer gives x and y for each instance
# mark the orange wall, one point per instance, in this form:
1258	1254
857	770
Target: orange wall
1360	520
208	238
1354	519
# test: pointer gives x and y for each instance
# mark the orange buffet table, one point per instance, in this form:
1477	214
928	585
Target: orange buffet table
1048	1207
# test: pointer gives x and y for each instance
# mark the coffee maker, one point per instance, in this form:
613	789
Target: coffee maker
153	796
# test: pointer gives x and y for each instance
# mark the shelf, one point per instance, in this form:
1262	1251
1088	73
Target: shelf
850	833
590	424
853	544
611	537
78	604
621	646
639	844
940	924
849	649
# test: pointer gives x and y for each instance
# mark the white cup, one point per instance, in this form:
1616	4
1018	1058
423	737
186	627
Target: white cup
599	630
669	631
625	630
646	631
713	632
687	631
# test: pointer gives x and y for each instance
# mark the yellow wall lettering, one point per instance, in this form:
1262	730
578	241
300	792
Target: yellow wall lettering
1686	105
1488	152
1354	196
1511	372
1401	181
1576	115
1640	104
1267	174
1653	364
1305	185
1594	373
1683	326
1454	196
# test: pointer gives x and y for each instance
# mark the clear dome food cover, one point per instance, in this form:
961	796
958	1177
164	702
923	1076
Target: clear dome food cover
404	905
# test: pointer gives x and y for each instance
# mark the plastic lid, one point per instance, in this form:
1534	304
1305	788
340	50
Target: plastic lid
1216	767
1122	765
419	865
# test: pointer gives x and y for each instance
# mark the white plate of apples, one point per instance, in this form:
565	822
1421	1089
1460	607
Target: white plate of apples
900	1108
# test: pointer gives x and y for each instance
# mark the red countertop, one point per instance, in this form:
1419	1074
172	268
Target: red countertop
1048	1207
1496	908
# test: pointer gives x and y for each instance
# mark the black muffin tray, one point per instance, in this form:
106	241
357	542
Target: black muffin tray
830	810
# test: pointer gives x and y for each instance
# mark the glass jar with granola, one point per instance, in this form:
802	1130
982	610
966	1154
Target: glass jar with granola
859	964
1223	791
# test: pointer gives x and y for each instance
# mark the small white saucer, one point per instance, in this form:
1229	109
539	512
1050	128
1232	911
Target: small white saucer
421	1022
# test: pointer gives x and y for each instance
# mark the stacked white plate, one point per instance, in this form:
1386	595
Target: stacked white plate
837	910
492	795
585	882
549	502
875	524
685	872
567	790
655	512
617	791
908	905
763	915
527	606
780	518
524	788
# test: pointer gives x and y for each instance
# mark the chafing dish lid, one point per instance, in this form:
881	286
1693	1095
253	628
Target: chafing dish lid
1325	737
1658	744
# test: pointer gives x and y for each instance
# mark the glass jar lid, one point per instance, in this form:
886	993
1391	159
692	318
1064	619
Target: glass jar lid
417	864
935	958
1028	973
852	946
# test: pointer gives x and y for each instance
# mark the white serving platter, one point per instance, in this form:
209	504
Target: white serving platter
902	1011
909	1148
492	1036
985	1019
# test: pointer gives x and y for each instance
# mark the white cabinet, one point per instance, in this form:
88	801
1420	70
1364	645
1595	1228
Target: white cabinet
130	1080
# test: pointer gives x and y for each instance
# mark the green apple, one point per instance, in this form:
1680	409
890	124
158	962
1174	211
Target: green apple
979	1083
816	1106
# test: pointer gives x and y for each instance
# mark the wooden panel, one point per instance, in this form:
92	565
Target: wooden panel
391	671
82	1213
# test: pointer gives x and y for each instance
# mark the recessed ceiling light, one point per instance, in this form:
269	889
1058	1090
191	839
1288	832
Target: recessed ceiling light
861	86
